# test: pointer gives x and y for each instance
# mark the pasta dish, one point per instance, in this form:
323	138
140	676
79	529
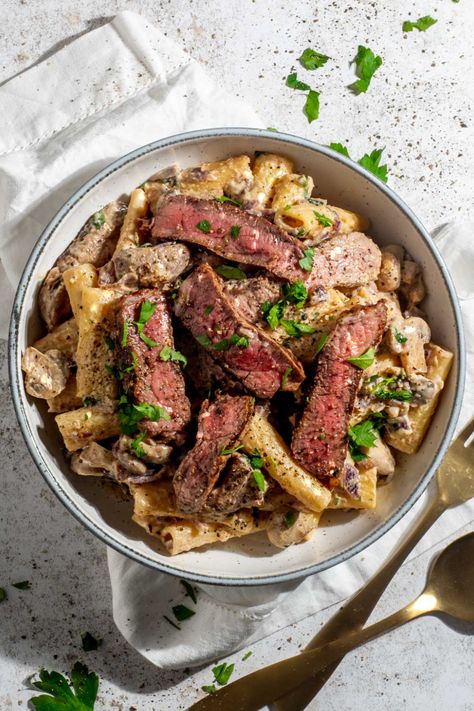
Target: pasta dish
235	353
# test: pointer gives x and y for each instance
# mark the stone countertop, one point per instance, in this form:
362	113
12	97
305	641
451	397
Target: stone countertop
418	108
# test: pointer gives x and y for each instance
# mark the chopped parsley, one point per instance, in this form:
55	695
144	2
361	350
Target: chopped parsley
306	262
312	60
146	339
284	377
234	340
125	334
228	272
371	162
259	479
295	293
297	328
367	64
147	310
256	459
89	642
322	342
422	24
98	220
208	309
173	624
79	694
190	591
272	313
363	361
204	226
386	389
23	585
222	673
399	337
224	198
204	340
181	612
294	83
109	342
167	353
211	688
339	148
270	128
3	594
323	219
289	518
136	447
361	435
130	415
234	231
247	655
231	450
311	107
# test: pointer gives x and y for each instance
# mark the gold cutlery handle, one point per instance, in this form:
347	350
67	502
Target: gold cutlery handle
354	614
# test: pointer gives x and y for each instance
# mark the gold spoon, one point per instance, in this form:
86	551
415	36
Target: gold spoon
453	486
449	589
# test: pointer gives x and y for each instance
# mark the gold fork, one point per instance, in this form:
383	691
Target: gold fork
454	485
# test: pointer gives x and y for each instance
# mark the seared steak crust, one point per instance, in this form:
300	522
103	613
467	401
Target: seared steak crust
237	490
248	295
219	427
319	441
262	365
152	380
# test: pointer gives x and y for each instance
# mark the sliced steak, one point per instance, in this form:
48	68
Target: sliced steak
254	239
151	266
352	260
320	439
238	488
152	380
256	360
94	244
220	424
248	295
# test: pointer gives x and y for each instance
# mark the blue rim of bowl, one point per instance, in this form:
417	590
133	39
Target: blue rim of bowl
15	373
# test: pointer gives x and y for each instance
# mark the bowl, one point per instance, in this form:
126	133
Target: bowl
250	560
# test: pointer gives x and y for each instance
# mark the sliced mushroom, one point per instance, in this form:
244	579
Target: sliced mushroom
412	285
390	271
408	337
135	463
94	460
288	526
46	373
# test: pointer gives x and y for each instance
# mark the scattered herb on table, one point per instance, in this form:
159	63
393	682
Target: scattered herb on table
367	64
78	695
228	272
181	612
363	361
294	83
222	673
422	24
189	589
339	148
173	624
89	642
3	594
211	688
312	60
371	162
247	655
23	585
311	107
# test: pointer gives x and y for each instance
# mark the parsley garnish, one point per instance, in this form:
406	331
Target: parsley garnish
211	688
109	342
234	231
270	128
259	479
228	272
295	293
272	313
147	310
173	624
297	329
230	450
204	340
284	377
79	695
98	220
224	198
339	148
322	342
311	107
307	262
168	353
130	415
204	226
23	585
222	673
246	656
256	459
294	83
386	394
422	24
3	594
289	518
89	642
361	435
367	64
190	591
181	612
322	219
371	162
312	60
208	309
146	339
125	334
399	337
136	447
234	340
363	361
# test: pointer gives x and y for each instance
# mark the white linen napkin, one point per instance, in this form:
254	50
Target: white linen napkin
108	92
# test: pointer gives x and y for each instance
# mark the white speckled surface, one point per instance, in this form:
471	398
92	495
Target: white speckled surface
418	107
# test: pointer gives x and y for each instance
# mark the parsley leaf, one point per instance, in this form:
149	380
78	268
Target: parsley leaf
272	313
224	198
307	262
125	333
204	226
294	83
234	340
146	339
130	415
210	688
339	148
234	231
228	272
222	673
190	591
367	64
289	518
147	310
181	612
295	293
296	329
402	395
208	309
312	60
247	655
230	450
256	459
284	377
322	342
204	340
80	696
23	585
136	447
173	624
422	24
3	594
399	337
363	361
259	479
89	642
311	107
98	220
371	162
167	353
322	219
361	435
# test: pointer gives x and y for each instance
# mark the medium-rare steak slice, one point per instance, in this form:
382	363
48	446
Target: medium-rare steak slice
220	424
320	439
256	360
230	232
147	377
248	295
238	489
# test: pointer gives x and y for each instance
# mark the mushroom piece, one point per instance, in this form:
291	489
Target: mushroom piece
135	463
288	526
46	374
380	457
408	337
390	269
412	285
94	460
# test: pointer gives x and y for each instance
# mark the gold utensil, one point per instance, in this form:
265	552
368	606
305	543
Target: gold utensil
454	485
448	589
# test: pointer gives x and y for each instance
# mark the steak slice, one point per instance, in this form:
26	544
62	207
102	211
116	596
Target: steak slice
352	260
152	380
220	424
320	439
262	365
150	266
237	490
248	295
256	241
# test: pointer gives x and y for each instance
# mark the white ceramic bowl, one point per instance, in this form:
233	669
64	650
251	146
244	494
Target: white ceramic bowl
250	560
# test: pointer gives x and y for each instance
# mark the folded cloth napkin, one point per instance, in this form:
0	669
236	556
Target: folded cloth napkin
106	93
